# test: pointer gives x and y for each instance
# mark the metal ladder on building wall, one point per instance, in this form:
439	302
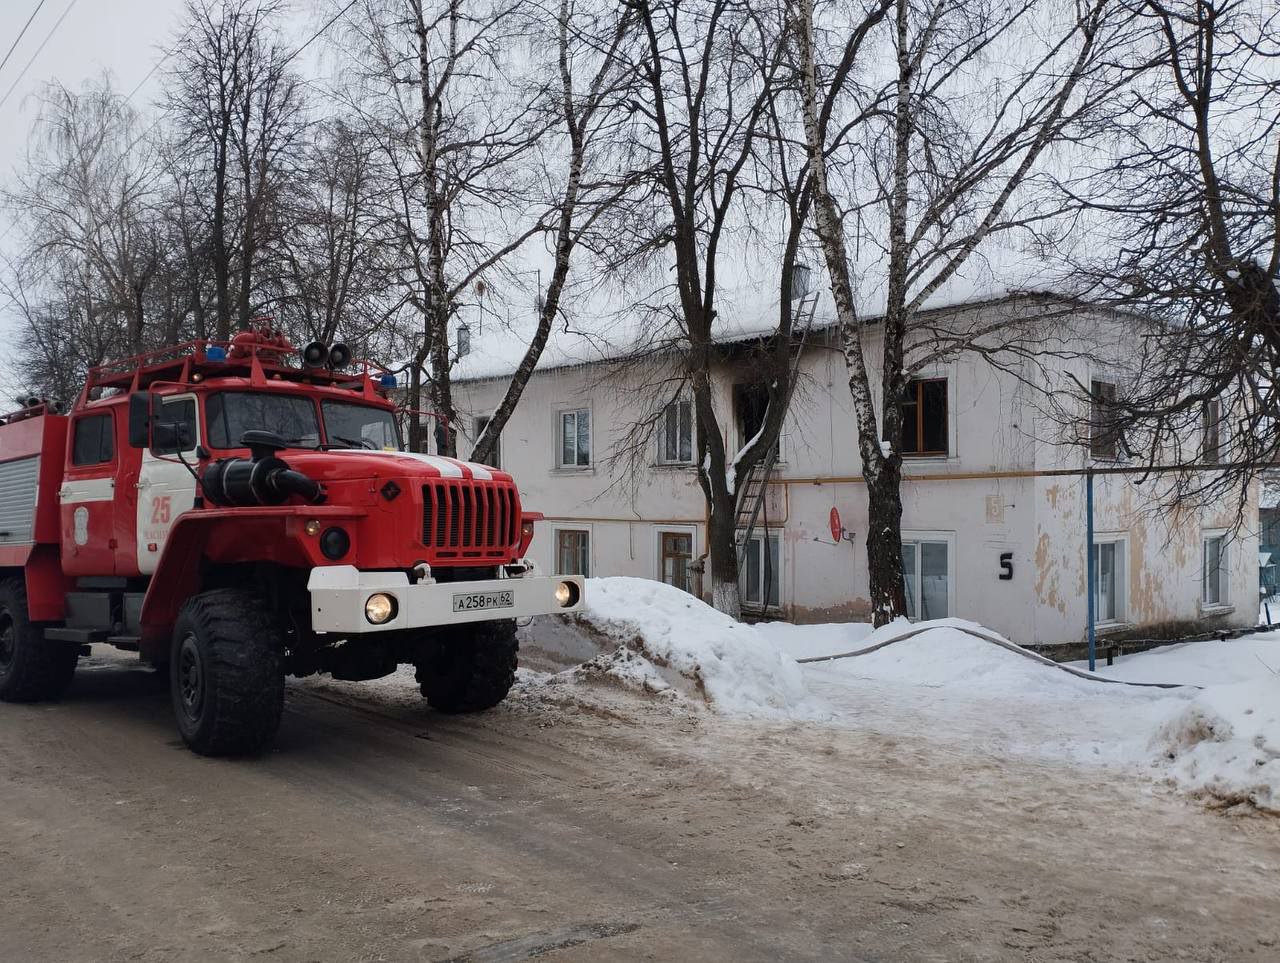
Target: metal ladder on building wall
752	492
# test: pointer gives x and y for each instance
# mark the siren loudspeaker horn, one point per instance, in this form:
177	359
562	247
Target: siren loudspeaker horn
339	356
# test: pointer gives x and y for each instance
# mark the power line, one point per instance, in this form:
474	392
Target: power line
21	33
39	50
315	36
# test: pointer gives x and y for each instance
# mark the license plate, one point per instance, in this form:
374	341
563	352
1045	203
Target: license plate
473	601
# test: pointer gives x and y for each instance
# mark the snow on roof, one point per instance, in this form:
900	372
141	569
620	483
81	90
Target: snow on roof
603	320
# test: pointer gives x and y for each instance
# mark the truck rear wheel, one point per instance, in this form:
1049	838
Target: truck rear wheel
473	667
226	673
31	667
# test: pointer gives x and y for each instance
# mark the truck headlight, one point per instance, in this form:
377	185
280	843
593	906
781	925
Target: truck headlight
380	608
567	594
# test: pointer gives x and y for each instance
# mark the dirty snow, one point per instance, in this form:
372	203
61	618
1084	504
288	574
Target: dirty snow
664	637
1220	742
1214	735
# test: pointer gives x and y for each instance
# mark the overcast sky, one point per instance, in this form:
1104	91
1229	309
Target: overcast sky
122	37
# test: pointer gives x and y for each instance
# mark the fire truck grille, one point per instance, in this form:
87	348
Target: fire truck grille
469	519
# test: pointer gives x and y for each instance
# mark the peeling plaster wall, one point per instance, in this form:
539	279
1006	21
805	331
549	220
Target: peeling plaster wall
996	428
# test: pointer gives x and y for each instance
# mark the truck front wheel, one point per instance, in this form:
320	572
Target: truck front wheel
32	668
472	668
226	673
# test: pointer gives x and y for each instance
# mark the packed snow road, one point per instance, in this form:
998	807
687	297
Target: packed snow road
583	822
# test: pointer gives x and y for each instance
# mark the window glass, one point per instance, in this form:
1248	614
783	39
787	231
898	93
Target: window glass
933	580
94	441
677	554
677	433
759	576
926	578
1212	431
182	413
924	417
573	552
229	414
360	426
1104	434
911	578
1109	581
1215	571
575	438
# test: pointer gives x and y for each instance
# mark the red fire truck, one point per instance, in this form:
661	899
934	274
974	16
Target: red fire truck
237	516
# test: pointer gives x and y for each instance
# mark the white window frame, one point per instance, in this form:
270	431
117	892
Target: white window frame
662	435
555	546
1224	577
916	537
658	532
1217	424
763	605
574	410
1122	579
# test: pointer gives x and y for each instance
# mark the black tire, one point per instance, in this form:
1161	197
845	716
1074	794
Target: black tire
226	673
472	669
32	668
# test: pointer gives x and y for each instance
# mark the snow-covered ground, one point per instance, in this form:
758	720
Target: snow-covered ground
1216	734
1211	728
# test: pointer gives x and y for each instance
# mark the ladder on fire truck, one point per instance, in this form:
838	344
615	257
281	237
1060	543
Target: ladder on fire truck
753	490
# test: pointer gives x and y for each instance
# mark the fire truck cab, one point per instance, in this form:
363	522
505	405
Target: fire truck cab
235	518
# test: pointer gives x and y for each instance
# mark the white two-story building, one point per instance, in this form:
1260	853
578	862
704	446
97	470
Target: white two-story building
994	526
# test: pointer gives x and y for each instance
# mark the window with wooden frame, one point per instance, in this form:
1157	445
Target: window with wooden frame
924	418
677	560
1104	432
573	552
1211	451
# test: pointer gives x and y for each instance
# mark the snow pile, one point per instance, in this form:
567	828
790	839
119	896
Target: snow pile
1213	662
1225	744
667	639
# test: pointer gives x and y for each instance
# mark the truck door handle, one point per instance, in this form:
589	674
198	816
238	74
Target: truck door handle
146	483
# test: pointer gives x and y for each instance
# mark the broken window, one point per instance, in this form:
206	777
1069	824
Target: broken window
924	417
1104	432
750	405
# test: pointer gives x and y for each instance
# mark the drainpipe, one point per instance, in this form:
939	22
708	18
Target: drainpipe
1089	565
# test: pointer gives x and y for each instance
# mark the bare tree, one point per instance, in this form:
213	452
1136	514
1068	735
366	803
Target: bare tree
943	168
86	202
235	112
705	153
437	87
588	115
1183	218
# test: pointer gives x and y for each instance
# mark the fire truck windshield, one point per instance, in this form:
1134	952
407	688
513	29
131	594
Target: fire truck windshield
360	426
229	414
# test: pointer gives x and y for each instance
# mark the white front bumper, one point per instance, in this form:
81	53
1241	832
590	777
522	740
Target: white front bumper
339	593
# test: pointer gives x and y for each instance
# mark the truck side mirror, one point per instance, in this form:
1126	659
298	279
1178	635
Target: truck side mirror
139	419
170	436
